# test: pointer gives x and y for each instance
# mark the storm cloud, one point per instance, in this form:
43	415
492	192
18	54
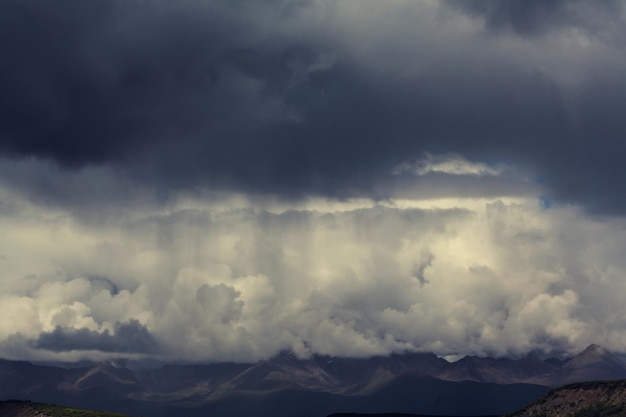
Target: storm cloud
233	178
129	337
300	98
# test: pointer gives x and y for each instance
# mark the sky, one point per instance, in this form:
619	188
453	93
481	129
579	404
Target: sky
223	180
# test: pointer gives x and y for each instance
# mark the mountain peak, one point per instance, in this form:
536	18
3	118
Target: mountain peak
594	349
593	353
595	362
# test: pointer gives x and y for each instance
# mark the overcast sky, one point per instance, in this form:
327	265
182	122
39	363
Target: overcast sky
222	180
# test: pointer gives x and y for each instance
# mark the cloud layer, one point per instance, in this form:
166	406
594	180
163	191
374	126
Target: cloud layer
205	283
222	180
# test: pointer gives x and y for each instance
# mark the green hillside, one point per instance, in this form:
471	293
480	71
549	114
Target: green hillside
584	399
27	409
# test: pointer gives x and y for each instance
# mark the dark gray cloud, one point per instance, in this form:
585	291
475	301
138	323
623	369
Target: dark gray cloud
131	337
273	99
91	83
535	17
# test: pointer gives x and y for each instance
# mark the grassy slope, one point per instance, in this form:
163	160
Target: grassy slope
60	411
583	399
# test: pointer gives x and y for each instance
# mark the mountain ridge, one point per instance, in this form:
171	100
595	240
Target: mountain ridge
346	382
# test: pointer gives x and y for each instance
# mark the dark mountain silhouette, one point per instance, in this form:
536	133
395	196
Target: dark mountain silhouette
500	371
557	362
392	415
406	395
286	385
593	363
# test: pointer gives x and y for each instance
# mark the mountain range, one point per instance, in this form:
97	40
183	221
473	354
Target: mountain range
285	385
